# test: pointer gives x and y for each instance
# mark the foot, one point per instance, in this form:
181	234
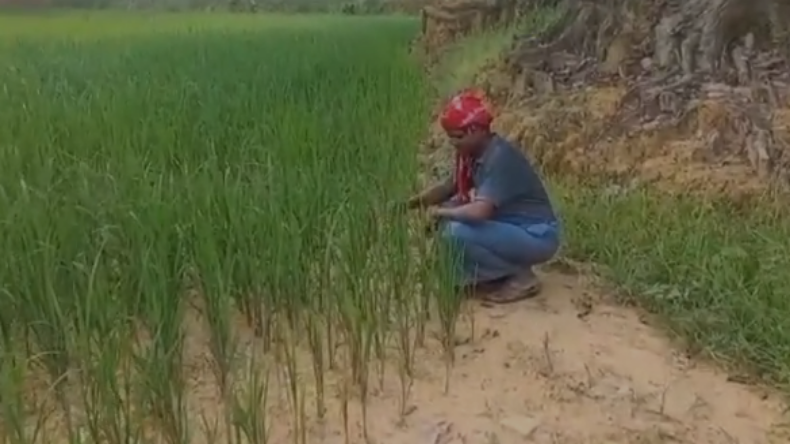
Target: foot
518	288
487	287
482	289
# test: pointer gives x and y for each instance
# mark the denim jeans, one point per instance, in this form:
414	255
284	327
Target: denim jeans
494	249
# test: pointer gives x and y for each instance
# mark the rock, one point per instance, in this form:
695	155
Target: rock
523	425
441	433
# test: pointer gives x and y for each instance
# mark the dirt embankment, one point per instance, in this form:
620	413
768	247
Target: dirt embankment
689	96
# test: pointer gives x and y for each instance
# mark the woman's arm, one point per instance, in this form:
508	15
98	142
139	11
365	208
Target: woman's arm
434	195
476	211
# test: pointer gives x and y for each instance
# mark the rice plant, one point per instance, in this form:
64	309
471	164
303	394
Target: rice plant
190	194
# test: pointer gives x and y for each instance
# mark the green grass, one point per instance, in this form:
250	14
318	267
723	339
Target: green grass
715	274
242	165
464	58
87	25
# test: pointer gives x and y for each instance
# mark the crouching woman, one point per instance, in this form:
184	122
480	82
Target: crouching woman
494	212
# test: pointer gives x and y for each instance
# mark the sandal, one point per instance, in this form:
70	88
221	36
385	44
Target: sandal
492	286
521	287
480	289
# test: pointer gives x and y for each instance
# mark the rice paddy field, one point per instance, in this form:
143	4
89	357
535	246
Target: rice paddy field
192	195
199	244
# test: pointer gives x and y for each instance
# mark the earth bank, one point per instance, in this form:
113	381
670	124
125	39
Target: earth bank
664	129
686	97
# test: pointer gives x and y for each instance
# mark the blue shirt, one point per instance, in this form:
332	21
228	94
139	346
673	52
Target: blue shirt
505	177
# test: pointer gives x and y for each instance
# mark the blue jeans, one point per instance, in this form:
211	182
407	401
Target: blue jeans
494	250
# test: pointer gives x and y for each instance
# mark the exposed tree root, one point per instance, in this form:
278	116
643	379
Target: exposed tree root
445	22
671	57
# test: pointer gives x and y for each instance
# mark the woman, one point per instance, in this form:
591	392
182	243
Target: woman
494	211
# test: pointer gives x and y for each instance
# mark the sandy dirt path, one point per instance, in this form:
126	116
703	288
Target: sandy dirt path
568	367
552	371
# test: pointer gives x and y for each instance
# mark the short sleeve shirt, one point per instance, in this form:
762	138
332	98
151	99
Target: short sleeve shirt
505	177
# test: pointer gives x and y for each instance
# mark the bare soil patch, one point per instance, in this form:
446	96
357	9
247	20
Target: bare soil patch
569	367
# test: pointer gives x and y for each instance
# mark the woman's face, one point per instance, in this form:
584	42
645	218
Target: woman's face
467	141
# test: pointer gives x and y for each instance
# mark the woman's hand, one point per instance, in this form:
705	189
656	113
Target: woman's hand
477	211
436	212
397	207
434	219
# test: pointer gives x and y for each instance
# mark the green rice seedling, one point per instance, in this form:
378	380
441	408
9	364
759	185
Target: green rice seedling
381	332
217	261
265	229
427	284
344	395
106	393
162	385
288	352
252	308
290	292
307	297
250	259
15	427
43	310
321	327
214	267
355	316
378	280
355	308
468	311
210	428
448	302
316	344
404	307
426	280
159	358
51	311
318	323
250	403
101	346
156	257
100	343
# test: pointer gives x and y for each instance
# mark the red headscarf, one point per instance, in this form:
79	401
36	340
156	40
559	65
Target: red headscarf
466	111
